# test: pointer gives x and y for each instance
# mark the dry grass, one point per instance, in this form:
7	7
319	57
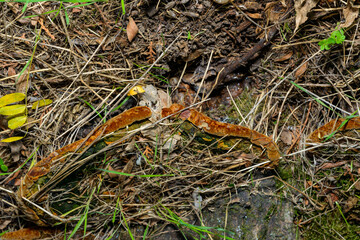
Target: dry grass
91	59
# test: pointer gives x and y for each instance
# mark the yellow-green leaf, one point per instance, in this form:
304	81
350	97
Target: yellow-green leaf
12	109
41	103
16	122
11	139
11	98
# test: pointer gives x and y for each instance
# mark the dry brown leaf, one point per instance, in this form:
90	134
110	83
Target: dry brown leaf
301	70
332	165
284	57
4	224
11	71
286	137
131	29
41	21
76	9
350	14
272	12
357	185
302	8
253	5
350	203
15	148
22	84
254	15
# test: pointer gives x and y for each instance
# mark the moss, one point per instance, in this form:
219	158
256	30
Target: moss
331	226
285	171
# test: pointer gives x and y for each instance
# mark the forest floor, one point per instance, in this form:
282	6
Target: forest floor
280	68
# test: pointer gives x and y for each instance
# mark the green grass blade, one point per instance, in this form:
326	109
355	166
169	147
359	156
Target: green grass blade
94	109
126	225
306	91
122	103
123	7
145	232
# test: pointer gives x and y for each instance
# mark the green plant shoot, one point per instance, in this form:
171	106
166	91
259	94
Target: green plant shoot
336	37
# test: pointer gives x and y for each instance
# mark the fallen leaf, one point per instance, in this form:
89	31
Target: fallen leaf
286	137
17	122
284	57
41	21
4	224
22	83
11	98
12	109
136	90
41	103
301	70
272	12
254	15
30	234
357	185
252	5
350	14
131	29
350	203
332	165
11	71
302	8
15	148
76	9
11	139
111	175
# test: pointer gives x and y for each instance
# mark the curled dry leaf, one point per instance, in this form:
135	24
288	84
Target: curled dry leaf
136	90
286	137
350	14
301	70
255	15
131	29
11	71
302	8
284	57
22	83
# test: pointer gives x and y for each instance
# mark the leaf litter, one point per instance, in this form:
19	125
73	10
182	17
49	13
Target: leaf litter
240	48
